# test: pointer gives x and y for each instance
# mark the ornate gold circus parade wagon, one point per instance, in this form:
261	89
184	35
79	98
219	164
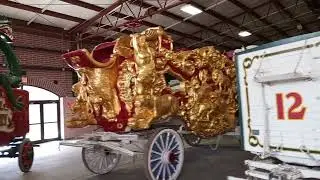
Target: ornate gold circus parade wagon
145	95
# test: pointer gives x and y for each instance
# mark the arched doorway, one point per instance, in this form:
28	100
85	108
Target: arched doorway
44	115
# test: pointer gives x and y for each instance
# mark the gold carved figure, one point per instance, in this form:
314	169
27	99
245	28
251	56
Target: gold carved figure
131	86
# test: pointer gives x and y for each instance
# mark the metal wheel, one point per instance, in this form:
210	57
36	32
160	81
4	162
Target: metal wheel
164	155
192	139
98	160
26	154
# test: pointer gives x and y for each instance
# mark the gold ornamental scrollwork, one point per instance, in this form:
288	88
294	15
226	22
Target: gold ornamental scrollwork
252	139
134	86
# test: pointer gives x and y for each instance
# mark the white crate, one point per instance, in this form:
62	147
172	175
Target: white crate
279	88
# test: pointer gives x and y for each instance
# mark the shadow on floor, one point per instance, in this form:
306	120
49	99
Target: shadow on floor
201	163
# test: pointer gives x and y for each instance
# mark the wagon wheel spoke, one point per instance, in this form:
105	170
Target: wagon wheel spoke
168	170
173	138
158	146
108	161
174	147
171	165
167	140
162	143
160	170
157	165
156	152
156	159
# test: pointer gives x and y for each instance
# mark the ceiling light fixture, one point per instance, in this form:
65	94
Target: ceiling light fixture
244	33
190	9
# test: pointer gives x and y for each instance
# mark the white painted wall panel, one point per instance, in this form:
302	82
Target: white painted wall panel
292	69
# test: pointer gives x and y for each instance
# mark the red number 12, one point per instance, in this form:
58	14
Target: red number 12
296	110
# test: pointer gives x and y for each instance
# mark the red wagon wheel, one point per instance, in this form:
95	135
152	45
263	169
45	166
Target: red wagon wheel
26	154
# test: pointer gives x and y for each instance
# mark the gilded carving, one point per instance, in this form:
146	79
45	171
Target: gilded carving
205	98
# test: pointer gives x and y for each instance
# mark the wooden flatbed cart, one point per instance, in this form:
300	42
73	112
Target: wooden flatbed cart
162	148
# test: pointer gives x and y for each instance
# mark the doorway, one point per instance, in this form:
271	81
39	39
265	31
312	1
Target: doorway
44	115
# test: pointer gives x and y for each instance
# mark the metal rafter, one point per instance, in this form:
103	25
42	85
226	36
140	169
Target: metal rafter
84	5
311	5
39	10
49	13
84	25
146	23
237	15
257	16
38	28
179	18
43	9
150	14
227	20
241	14
288	13
45	30
98	9
293	28
129	18
50	31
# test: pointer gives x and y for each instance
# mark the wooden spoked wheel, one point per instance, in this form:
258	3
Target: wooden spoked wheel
164	155
99	160
26	154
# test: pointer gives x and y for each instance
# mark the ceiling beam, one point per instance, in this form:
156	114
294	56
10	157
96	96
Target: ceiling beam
39	29
149	24
48	31
237	15
84	25
288	13
180	19
98	9
49	13
313	5
308	23
84	5
116	14
229	21
150	13
39	10
242	13
129	18
257	16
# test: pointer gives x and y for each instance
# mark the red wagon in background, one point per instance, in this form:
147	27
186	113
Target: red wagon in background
14	105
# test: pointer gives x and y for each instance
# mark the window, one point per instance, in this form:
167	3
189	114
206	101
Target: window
44	121
39	94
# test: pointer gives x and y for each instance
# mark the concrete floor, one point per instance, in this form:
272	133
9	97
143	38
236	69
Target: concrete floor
51	164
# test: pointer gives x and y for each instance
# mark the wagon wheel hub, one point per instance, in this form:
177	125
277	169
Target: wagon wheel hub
169	157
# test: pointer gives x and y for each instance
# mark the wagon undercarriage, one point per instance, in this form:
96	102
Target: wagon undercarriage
162	149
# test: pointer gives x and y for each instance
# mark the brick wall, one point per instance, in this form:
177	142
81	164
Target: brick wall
38	50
